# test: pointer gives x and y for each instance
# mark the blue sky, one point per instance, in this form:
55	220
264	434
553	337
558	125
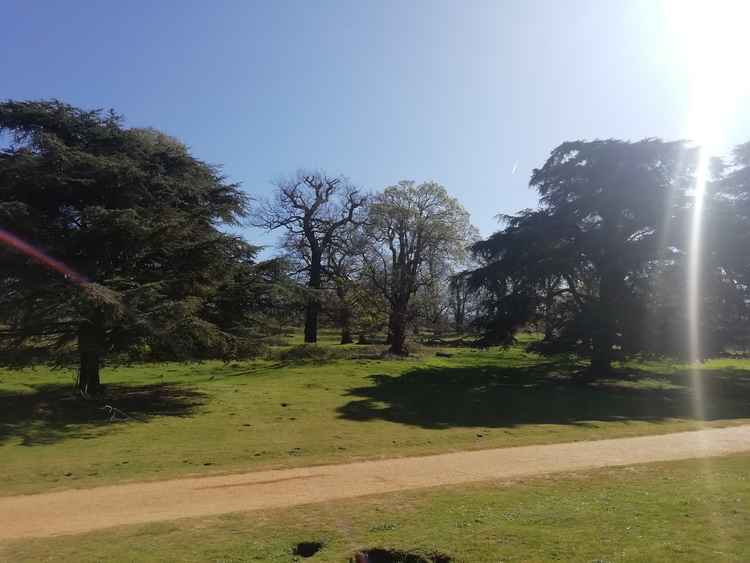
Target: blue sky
461	92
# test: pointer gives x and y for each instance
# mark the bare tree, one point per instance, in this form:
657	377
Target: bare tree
312	207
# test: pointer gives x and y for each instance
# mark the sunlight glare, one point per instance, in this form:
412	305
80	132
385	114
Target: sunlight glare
709	40
709	37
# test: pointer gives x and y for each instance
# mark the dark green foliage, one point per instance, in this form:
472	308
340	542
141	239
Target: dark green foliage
133	260
727	248
138	217
609	211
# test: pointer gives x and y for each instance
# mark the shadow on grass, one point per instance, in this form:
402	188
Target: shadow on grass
53	413
546	393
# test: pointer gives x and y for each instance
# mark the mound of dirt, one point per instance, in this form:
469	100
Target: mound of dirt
307	548
378	555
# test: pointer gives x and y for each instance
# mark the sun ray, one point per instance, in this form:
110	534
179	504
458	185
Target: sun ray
709	41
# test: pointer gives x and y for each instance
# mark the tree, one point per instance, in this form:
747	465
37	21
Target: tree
369	310
529	274
431	301
341	269
255	300
408	225
129	222
429	308
725	260
609	210
312	208
462	301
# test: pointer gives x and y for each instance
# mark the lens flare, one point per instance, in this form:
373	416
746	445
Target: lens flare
709	43
29	250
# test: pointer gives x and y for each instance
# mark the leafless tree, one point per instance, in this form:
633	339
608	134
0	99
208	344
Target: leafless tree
313	208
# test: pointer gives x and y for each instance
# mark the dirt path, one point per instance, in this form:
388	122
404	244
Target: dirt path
77	511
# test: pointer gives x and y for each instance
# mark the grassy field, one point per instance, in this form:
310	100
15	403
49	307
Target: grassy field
682	511
213	417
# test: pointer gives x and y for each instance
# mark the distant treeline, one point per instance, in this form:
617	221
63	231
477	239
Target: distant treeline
116	247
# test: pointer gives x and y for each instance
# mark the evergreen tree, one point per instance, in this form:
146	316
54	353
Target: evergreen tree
609	210
132	220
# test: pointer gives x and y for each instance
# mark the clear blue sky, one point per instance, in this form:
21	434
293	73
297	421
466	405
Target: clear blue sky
461	92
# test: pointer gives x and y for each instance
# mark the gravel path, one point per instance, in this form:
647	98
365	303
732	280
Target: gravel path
82	510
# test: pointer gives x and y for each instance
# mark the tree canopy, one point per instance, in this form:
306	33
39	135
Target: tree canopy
609	210
135	216
411	226
119	244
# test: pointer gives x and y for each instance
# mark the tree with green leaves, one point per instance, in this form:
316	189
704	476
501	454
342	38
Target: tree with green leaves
411	226
134	222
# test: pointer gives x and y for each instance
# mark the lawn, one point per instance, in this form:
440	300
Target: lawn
213	417
694	510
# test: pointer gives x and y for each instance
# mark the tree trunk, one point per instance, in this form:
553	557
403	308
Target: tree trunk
311	321
389	335
398	331
346	326
606	323
346	335
549	303
345	317
459	315
459	324
460	318
89	351
312	310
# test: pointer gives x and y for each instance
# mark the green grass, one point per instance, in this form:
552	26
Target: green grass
214	417
686	511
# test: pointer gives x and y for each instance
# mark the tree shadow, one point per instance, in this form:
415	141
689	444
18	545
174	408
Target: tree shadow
547	393
53	412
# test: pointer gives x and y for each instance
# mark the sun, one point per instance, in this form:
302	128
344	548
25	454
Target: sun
709	38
